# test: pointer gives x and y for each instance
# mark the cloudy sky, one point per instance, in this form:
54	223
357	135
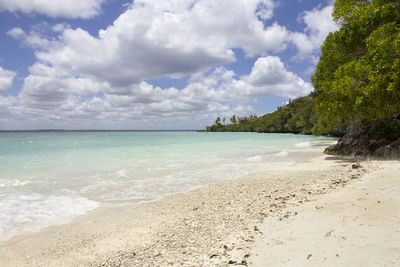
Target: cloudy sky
151	64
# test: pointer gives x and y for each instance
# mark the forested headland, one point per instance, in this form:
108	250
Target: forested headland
298	116
356	86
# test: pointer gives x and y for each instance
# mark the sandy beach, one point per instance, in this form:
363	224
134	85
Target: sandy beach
331	211
356	226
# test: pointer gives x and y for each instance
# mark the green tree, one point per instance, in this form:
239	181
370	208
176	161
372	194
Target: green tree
358	74
233	119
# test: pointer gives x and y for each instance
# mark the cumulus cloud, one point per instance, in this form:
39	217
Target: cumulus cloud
207	94
6	79
17	33
48	88
269	77
173	38
55	8
7	107
319	24
34	39
84	78
157	38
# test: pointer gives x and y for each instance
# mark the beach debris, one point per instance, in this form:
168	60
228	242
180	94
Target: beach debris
356	166
338	182
257	230
319	207
243	262
329	233
227	248
277	242
209	231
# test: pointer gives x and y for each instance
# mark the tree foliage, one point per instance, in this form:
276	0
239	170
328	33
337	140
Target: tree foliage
299	116
358	74
357	77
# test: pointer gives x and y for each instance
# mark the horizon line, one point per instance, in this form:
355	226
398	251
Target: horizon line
100	130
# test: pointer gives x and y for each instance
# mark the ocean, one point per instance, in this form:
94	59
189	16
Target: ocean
48	178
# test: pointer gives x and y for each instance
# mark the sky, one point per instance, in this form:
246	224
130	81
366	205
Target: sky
150	64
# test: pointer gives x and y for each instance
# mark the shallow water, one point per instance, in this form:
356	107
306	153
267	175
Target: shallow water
48	178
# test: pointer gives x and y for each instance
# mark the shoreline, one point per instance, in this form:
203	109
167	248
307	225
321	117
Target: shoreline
211	225
56	185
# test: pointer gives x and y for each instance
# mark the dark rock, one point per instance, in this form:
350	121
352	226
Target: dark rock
391	151
377	139
338	132
356	166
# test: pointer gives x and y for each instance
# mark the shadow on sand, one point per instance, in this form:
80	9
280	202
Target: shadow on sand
343	159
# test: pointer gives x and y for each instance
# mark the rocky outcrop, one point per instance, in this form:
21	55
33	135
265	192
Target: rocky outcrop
376	139
391	151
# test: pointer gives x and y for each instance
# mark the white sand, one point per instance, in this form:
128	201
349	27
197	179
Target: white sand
230	222
357	226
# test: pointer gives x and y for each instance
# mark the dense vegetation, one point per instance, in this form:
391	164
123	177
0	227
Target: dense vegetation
299	116
357	77
358	74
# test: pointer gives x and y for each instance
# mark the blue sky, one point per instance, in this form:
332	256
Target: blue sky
148	64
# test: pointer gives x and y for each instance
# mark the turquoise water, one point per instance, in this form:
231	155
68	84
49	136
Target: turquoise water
49	178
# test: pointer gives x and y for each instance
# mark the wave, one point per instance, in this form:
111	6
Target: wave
303	145
254	158
281	154
30	213
122	173
14	183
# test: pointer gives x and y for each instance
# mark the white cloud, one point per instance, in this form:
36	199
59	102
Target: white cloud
17	33
207	95
35	39
55	8
100	81
156	38
319	24
47	88
269	77
6	79
173	38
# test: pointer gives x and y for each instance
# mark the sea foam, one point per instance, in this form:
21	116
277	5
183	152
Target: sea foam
303	145
56	179
30	213
281	154
14	183
254	158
